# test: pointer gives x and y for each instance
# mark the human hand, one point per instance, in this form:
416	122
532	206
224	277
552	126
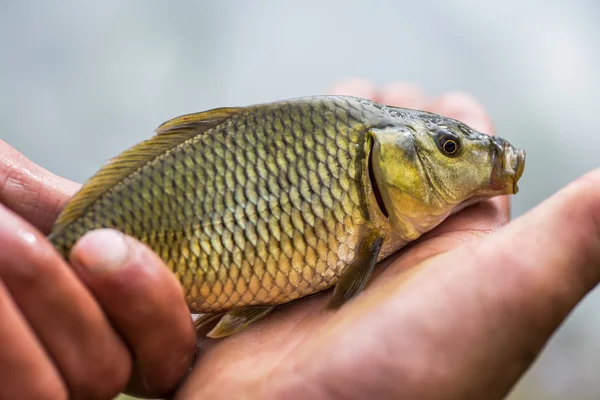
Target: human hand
82	333
460	314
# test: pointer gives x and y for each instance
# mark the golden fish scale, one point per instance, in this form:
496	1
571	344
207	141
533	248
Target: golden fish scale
264	209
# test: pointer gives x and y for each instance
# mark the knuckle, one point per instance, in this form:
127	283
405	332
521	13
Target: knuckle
25	257
21	192
27	263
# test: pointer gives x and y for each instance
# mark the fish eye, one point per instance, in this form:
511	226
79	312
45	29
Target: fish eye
448	143
450	146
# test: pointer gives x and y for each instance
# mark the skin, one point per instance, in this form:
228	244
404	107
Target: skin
461	313
64	331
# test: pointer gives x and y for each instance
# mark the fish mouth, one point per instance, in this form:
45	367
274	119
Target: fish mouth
509	164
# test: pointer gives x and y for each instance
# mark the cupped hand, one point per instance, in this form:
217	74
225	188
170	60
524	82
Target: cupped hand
460	314
115	320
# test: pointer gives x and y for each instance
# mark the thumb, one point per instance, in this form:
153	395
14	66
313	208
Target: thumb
504	296
550	257
145	303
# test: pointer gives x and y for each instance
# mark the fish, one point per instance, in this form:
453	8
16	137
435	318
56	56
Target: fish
255	207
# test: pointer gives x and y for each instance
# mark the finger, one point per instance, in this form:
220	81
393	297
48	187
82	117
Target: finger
30	190
554	251
517	287
25	370
463	107
62	313
354	87
145	302
475	327
401	94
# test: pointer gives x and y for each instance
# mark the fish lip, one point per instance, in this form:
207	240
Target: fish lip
519	168
508	166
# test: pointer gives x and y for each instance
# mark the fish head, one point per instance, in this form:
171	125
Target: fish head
428	167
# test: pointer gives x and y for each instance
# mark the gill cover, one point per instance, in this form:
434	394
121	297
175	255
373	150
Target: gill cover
402	182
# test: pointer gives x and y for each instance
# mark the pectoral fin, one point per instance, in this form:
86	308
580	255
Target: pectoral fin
357	275
204	319
236	320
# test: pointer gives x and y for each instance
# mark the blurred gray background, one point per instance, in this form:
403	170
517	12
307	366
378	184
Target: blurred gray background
81	81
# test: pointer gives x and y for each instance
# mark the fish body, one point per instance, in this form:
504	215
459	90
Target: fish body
258	206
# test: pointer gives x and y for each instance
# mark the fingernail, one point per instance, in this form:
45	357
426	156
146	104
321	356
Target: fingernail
101	250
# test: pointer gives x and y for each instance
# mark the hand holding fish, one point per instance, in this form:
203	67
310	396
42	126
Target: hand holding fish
74	335
459	315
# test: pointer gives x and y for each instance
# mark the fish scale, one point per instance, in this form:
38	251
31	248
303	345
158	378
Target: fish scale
258	206
256	211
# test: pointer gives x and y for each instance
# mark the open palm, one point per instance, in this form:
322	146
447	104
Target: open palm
458	314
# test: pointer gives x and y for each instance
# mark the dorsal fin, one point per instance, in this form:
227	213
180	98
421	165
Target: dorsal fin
205	119
168	135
